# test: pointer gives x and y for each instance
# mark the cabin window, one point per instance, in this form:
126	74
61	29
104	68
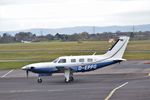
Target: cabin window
90	60
73	60
62	61
81	60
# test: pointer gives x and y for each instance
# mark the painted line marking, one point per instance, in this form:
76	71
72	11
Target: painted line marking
114	90
30	91
7	73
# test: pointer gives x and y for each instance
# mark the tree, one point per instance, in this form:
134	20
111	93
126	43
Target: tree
84	36
24	36
6	38
50	37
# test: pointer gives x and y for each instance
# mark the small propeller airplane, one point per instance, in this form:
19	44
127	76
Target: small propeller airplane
71	64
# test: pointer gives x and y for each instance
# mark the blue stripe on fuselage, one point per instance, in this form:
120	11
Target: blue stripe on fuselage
84	68
44	70
91	67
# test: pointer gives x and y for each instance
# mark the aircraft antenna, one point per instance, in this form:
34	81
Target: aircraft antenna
94	53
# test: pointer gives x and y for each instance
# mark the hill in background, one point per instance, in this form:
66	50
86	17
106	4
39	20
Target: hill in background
79	29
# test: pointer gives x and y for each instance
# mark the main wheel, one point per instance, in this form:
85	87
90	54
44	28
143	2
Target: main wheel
67	81
39	80
71	79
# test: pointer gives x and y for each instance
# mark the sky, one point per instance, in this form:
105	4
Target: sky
27	14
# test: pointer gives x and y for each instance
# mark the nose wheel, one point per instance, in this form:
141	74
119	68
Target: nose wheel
39	80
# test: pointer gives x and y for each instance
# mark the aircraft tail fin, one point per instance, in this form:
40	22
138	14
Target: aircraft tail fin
118	49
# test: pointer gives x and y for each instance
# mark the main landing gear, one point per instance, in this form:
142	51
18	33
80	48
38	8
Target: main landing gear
68	76
71	79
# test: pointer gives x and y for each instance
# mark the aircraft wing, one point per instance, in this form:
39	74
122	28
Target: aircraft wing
63	68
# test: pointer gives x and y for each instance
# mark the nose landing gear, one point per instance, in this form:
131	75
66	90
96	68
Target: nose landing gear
39	80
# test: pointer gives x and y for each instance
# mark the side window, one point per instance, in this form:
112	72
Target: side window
90	60
62	61
81	60
73	60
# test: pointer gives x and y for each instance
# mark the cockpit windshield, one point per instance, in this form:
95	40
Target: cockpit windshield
62	61
55	61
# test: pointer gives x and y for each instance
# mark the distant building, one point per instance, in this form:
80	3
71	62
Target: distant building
22	41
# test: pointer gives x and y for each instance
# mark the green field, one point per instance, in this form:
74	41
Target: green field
17	55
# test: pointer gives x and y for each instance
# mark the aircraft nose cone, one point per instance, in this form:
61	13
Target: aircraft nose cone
27	67
24	68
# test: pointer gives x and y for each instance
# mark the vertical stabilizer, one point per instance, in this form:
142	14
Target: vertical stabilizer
117	50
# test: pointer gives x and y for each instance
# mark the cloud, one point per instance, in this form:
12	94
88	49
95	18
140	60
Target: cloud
134	17
20	2
22	14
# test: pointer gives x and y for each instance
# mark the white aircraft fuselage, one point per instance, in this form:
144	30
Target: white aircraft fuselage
71	64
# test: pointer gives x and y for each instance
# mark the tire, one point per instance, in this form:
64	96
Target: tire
67	81
71	79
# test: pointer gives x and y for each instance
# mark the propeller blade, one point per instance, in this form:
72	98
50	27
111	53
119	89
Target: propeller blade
27	73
